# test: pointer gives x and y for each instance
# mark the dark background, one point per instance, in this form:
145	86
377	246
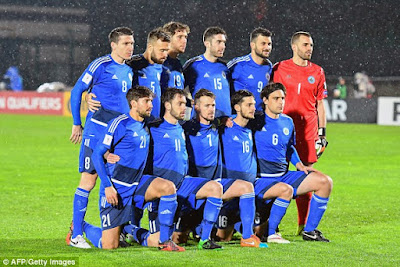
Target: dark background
349	36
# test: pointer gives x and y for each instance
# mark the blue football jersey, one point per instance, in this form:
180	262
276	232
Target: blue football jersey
149	75
203	147
129	139
247	74
168	151
238	157
173	75
274	141
200	73
109	81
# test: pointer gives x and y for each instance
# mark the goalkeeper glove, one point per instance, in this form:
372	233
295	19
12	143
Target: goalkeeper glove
322	143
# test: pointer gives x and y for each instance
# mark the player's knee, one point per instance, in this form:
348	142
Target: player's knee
167	188
110	244
152	240
286	191
215	189
245	187
180	237
225	235
326	182
88	181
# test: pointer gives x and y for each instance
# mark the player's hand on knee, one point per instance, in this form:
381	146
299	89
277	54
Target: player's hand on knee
93	105
76	134
111	158
111	195
306	169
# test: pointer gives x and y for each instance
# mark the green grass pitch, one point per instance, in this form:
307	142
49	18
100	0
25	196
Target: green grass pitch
39	176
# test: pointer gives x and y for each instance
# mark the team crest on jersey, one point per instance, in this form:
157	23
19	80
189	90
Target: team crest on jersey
311	79
267	76
223	74
183	136
286	131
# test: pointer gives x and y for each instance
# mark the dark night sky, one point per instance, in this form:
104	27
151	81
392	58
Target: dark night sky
349	36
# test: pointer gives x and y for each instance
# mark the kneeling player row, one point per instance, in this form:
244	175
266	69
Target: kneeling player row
240	162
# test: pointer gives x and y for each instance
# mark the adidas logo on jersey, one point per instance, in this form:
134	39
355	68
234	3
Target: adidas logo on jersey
206	75
236	138
263	129
135	134
114	77
166	136
198	134
167	211
250	76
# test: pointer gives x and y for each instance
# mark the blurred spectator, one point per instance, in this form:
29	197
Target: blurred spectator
341	89
53	87
363	87
12	80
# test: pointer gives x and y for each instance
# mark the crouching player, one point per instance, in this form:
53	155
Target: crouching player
205	160
170	160
128	138
275	140
239	162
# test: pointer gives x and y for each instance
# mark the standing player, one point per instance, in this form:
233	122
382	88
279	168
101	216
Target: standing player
208	71
127	136
109	78
148	68
275	140
179	34
253	71
170	161
205	158
306	89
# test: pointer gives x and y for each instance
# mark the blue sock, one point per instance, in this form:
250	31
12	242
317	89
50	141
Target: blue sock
247	207
278	210
93	233
166	213
238	227
317	209
79	210
139	234
210	215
